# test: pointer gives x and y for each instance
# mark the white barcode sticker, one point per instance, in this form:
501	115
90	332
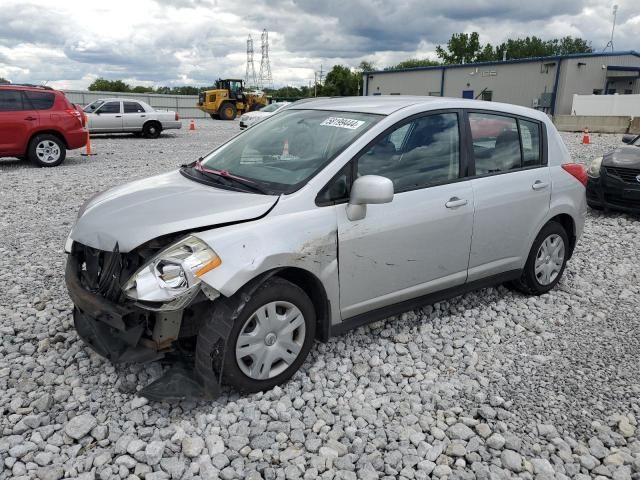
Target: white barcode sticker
342	123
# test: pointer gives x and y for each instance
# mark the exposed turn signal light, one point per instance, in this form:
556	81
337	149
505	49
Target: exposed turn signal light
216	262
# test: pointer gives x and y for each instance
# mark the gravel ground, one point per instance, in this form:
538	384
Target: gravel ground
490	385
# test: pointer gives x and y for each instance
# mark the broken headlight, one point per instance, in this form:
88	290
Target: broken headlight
173	273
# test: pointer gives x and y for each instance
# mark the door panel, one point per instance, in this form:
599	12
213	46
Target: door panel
17	122
512	197
410	247
133	117
108	118
507	207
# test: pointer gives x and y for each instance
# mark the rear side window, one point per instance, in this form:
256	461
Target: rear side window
133	107
496	143
40	100
10	101
530	137
110	107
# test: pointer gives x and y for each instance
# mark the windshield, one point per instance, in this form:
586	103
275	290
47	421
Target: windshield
286	150
92	107
271	108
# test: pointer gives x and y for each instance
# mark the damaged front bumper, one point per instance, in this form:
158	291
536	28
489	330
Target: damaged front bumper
125	332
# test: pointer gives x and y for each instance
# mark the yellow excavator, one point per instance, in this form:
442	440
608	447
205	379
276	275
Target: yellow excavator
230	99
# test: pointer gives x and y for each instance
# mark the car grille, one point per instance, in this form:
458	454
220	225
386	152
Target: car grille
105	272
628	175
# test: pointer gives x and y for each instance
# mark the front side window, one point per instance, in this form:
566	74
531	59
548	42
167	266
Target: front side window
93	106
133	107
110	107
40	100
10	101
496	143
283	152
418	154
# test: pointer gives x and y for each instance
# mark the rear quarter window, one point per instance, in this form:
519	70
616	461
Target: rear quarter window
40	100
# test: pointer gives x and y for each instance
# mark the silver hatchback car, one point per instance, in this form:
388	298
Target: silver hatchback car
329	215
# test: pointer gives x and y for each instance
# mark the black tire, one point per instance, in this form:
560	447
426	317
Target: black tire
529	283
46	150
227	111
214	116
213	357
152	129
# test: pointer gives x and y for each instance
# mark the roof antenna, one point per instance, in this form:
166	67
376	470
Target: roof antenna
613	28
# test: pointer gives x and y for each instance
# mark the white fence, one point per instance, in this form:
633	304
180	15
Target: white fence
185	105
607	105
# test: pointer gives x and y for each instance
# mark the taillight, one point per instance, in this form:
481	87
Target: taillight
177	116
75	113
578	171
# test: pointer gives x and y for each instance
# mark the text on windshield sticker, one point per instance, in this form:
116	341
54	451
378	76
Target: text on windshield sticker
342	123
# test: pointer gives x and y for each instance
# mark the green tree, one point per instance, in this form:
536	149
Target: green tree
104	85
341	81
461	48
466	48
4	81
366	66
141	89
414	63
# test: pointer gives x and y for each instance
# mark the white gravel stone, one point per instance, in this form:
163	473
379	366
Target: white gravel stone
80	426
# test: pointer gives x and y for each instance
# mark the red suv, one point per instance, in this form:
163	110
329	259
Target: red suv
40	124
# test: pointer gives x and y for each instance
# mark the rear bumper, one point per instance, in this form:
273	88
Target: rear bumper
612	194
76	138
173	125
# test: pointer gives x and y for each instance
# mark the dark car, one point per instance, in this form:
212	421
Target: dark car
40	124
614	178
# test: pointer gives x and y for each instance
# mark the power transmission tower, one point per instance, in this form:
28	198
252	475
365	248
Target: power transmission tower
613	29
266	80
250	77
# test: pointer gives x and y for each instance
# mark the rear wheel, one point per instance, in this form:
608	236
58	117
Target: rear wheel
46	150
546	262
151	129
269	340
227	111
214	116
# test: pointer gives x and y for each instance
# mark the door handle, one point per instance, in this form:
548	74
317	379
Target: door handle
538	185
143	115
455	202
118	116
30	118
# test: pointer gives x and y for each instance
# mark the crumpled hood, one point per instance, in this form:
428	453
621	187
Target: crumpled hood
626	157
137	212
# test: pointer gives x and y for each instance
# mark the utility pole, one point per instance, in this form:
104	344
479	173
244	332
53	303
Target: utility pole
266	80
250	76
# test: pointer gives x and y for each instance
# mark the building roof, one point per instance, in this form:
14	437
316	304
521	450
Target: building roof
515	60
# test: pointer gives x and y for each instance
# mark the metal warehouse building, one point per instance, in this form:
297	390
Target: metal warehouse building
545	83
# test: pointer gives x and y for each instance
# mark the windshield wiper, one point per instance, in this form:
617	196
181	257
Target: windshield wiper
230	178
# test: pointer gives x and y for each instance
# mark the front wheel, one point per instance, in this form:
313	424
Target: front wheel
270	337
227	111
546	262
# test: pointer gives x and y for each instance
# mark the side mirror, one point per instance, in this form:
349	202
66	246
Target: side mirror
369	189
628	138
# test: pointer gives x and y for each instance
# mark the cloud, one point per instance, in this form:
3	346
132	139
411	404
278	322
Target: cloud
171	42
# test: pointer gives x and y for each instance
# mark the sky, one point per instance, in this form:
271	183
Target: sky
70	43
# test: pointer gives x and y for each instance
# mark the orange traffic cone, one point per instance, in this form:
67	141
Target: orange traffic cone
88	153
586	140
192	125
285	150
